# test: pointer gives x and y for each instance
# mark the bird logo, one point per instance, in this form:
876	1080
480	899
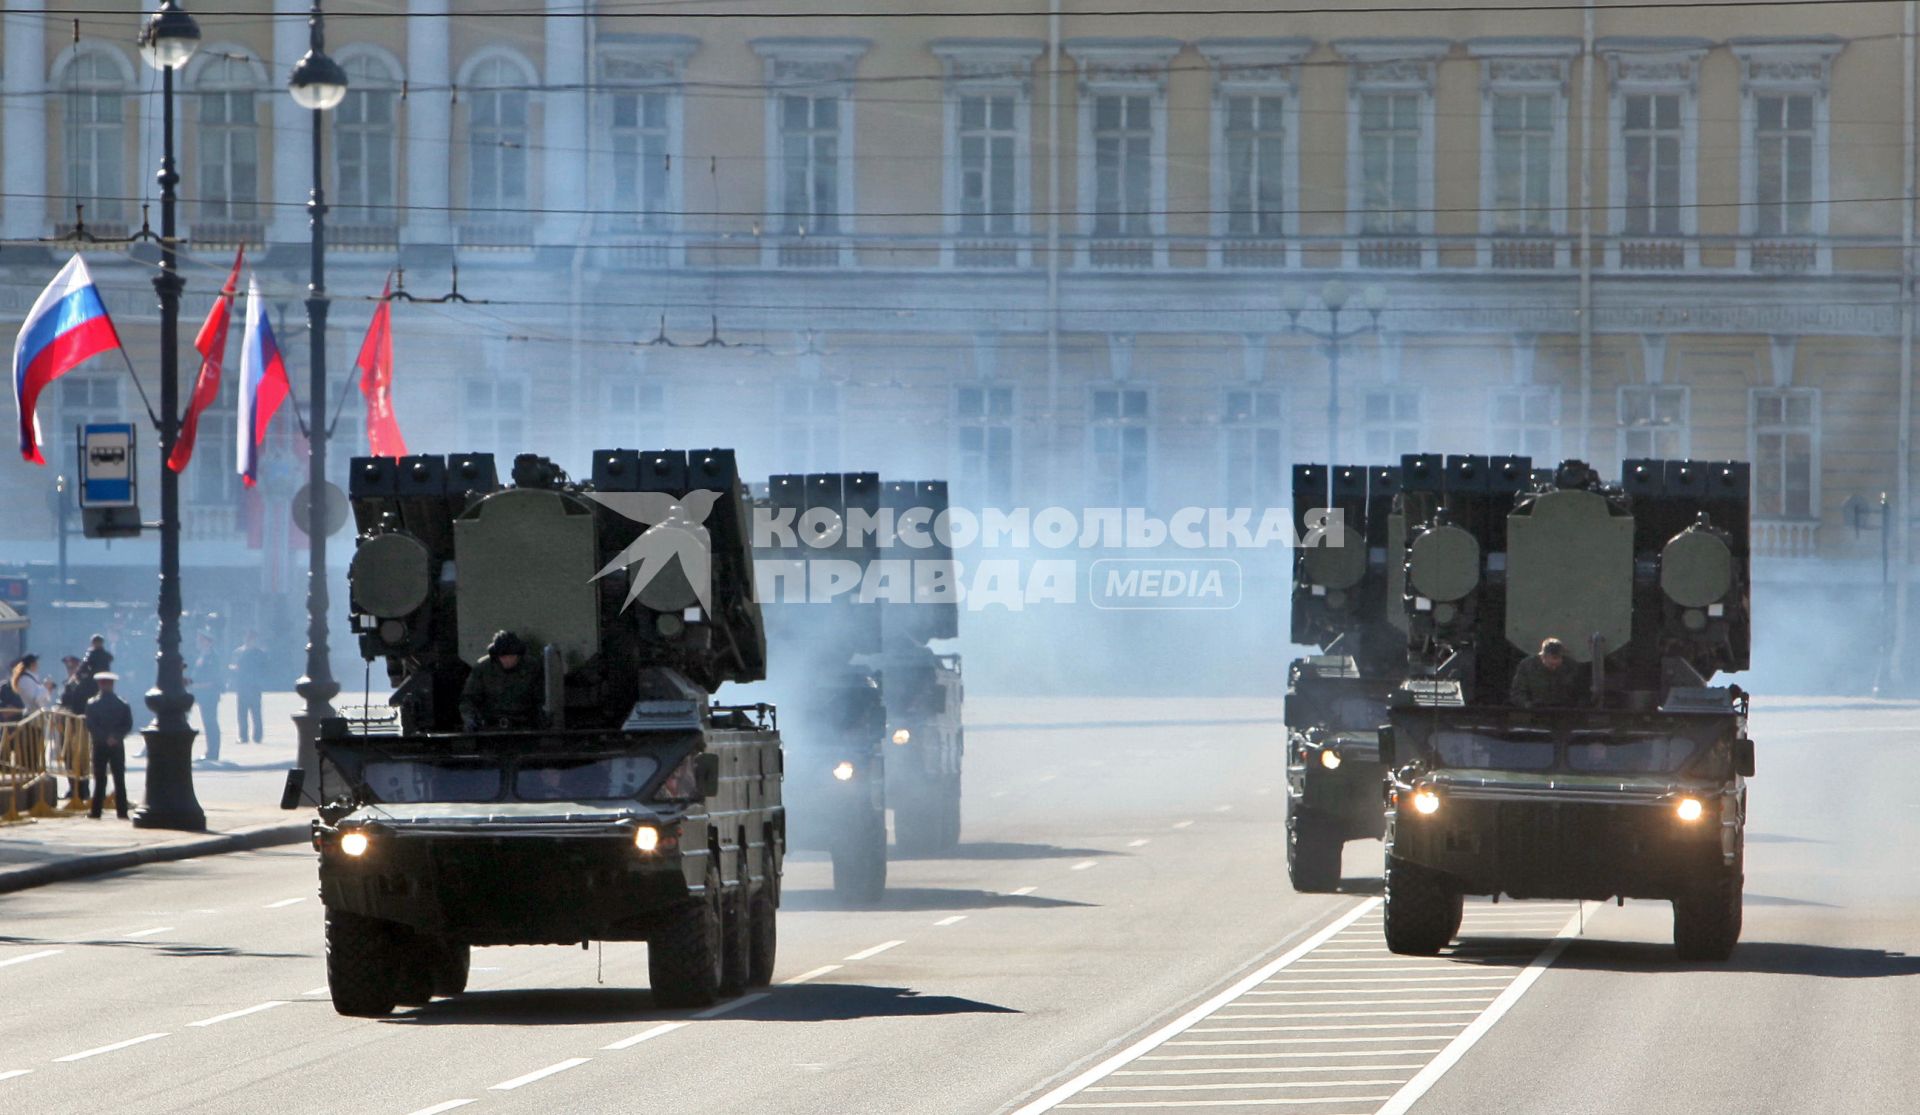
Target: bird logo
676	528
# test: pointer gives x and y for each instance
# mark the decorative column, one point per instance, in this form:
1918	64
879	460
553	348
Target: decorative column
292	131
24	171
564	124
430	153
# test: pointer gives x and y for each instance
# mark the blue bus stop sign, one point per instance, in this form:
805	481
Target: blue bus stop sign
107	465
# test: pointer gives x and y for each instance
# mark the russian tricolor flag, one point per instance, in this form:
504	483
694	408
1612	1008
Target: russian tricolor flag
67	326
263	383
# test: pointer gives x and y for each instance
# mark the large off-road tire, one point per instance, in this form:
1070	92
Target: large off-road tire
918	827
360	964
1313	856
452	962
685	957
1423	909
761	924
1706	923
738	940
950	813
415	956
860	865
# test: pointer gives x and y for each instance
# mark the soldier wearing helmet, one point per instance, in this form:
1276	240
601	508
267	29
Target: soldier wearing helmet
504	690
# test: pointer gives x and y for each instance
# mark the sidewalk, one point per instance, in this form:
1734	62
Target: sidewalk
240	795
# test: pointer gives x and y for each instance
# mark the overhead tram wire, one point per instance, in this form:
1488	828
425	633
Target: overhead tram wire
633	11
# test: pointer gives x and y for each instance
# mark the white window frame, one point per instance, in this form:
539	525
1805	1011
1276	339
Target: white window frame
1120	422
526	80
1122	68
1623	429
1252	424
1524	66
117	63
811	67
1255	68
978	480
198	82
1499	439
1390	66
387	82
988	68
1654	66
819	433
1785	68
629	65
1394	425
1756	429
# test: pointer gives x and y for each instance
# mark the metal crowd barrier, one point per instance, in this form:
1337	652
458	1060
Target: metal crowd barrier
50	743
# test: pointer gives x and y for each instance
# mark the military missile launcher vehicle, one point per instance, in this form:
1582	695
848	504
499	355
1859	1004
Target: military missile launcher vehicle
619	805
1637	788
870	714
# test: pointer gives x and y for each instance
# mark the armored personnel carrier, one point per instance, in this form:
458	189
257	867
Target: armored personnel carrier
600	797
923	688
1630	781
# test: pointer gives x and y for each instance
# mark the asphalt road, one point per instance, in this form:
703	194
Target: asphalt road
1116	933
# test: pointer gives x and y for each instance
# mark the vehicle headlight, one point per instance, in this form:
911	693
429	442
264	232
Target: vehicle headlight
646	838
355	843
902	736
1426	801
1330	759
1689	809
843	771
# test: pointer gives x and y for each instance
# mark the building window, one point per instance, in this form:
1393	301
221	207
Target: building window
494	417
639	135
94	136
1653	423
90	397
988	142
1123	165
1256	147
1783	141
229	185
983	443
497	139
1390	132
1523	154
810	163
1255	448
1786	434
1390	422
363	144
1525	421
809	427
1121	449
634	408
1653	137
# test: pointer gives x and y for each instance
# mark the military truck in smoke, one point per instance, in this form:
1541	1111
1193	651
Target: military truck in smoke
1630	786
619	803
870	712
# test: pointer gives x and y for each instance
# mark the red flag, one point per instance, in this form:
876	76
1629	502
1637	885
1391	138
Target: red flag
212	346
376	381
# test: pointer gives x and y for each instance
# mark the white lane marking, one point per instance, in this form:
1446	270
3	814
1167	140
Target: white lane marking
1083	865
1239	1085
1481	999
1140	843
1399	979
283	904
1321	1029
84	1054
1023	892
1268	1102
1298	1041
1383	966
437	1108
644	1035
876	950
1048	777
954	920
255	1009
149	932
322	990
1193	1017
1183	824
539	1074
1223	809
733	1005
1410	1093
1360	1013
1261	1068
11	1073
805	976
1281	1056
41	955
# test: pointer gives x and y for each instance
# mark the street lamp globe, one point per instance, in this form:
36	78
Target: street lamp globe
169	37
318	81
1373	298
1334	294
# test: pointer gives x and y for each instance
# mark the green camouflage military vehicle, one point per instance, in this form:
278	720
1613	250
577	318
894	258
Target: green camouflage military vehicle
923	687
624	806
1635	791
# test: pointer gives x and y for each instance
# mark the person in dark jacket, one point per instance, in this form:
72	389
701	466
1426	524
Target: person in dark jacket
208	677
1548	680
250	668
109	721
503	691
74	696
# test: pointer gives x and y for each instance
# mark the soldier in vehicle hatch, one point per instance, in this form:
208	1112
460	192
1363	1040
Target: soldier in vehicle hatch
504	690
1548	680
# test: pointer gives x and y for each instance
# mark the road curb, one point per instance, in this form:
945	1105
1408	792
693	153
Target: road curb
99	863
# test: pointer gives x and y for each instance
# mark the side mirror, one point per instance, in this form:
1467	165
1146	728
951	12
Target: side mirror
290	793
1743	757
706	773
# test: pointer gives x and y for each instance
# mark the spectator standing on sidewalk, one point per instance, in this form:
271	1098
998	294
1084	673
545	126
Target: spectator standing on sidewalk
250	666
35	692
108	722
12	706
73	698
208	678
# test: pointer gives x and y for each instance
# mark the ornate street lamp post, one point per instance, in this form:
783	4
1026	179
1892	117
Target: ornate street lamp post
1334	295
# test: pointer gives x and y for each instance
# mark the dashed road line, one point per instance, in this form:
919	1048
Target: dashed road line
232	1014
954	920
437	1108
644	1035
805	976
865	954
1183	824
1084	865
11	1073
321	990
41	955
1022	892
1223	809
118	1045
284	903
732	1005
155	931
539	1074
1140	843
